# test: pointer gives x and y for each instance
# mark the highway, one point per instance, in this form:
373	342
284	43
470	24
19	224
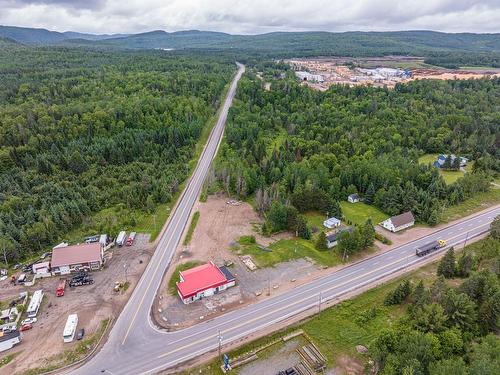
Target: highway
136	346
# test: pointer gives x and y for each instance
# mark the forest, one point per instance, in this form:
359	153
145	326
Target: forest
305	149
449	327
83	130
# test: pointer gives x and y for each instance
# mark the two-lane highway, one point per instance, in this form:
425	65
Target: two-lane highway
136	346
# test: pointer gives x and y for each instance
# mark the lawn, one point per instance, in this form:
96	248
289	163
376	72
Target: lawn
359	212
337	330
285	250
315	219
172	283
449	176
479	202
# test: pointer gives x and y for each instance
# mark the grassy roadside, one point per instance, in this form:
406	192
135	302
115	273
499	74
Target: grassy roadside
72	355
338	329
480	201
172	287
192	227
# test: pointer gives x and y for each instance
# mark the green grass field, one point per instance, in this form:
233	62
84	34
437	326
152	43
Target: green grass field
449	176
359	212
315	219
285	250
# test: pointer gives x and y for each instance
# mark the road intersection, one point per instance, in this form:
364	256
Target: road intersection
136	346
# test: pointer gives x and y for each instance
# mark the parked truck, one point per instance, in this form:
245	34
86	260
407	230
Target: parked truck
60	288
81	278
122	237
130	239
429	247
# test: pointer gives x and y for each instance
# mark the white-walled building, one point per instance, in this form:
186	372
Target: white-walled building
399	222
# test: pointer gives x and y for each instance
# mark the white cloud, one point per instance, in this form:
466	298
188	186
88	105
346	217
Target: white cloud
252	16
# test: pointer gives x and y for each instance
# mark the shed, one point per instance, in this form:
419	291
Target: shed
332	222
353	198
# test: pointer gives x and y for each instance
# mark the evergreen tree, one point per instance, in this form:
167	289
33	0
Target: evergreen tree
446	265
370	194
465	263
368	234
321	241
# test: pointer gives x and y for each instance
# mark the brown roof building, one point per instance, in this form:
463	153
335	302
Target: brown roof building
87	256
399	222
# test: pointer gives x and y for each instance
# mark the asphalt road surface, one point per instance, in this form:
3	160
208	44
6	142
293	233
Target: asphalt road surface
136	346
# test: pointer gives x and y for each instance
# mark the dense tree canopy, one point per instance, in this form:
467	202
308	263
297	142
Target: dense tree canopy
84	130
310	149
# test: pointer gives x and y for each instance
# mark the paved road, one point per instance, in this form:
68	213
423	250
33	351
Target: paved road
136	346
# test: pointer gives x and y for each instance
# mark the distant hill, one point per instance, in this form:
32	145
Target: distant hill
449	50
28	35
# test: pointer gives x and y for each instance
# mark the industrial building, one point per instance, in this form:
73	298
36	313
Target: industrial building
306	76
203	281
88	256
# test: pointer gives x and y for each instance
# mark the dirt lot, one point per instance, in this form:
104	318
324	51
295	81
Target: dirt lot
221	224
93	304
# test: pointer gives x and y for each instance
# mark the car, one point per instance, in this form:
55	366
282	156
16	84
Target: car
80	334
29	321
25	327
8	329
45	255
17	266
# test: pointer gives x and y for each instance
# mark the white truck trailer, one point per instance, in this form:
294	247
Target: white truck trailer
70	328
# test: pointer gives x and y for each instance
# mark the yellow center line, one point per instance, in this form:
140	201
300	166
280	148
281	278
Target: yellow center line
294	303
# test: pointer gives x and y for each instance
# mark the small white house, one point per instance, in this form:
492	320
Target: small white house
331	223
399	222
353	198
331	239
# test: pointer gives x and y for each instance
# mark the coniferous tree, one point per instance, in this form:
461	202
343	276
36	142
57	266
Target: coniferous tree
447	267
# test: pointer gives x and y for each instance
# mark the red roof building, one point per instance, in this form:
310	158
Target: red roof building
87	256
203	281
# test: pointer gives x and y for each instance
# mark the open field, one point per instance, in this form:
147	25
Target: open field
286	250
359	212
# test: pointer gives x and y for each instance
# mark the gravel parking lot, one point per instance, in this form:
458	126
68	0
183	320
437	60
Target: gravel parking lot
93	304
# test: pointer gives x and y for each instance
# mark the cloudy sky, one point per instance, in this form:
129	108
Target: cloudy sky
252	16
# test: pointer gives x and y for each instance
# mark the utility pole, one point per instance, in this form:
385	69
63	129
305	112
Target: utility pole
268	286
319	302
466	238
220	346
5	255
125	269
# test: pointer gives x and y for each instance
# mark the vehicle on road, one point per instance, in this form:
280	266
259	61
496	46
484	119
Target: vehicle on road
60	288
26	327
429	247
121	239
131	239
29	321
80	334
